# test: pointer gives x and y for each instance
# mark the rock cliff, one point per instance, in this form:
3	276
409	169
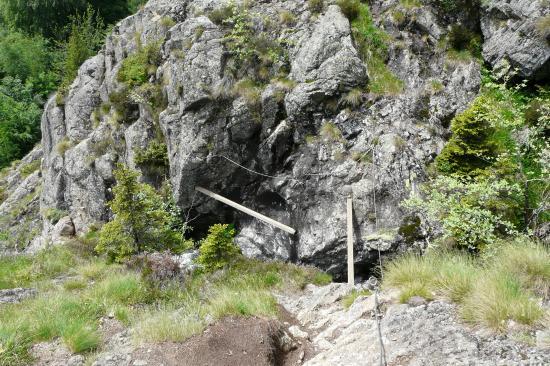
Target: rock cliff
292	147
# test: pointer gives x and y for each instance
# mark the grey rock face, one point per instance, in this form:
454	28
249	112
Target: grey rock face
420	335
515	38
14	295
302	151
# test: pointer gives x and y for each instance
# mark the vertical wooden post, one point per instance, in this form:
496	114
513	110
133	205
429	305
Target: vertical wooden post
351	273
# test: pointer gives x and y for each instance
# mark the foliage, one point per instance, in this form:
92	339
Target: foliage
350	8
139	66
258	53
218	249
461	38
53	215
20	117
156	155
471	147
23	57
85	38
451	6
373	48
48	17
490	290
465	210
142	220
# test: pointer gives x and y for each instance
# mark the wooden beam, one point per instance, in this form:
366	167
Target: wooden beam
246	210
351	272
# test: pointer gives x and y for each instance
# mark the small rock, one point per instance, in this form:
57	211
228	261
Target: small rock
140	363
296	332
286	343
417	301
543	338
14	295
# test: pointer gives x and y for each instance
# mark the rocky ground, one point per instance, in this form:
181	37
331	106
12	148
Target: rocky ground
316	330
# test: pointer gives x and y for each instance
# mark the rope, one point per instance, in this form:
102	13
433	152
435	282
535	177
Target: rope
267	175
379	326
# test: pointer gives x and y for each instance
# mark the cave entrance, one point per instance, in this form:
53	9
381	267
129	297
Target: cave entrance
246	210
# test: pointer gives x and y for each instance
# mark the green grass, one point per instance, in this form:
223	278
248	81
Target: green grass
372	44
22	270
173	312
350	298
502	285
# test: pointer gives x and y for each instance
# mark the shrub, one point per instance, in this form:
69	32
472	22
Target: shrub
142	221
286	17
86	37
218	249
471	147
156	268
20	116
219	15
353	98
63	146
331	132
465	210
350	8
461	38
155	155
53	215
138	67
315	6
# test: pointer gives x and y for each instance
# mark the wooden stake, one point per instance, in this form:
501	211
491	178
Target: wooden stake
351	274
246	210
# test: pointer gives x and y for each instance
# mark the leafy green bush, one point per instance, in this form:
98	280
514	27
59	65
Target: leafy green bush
156	154
465	210
23	56
20	116
218	249
142	220
471	147
139	66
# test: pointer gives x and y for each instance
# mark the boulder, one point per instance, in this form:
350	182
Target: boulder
516	37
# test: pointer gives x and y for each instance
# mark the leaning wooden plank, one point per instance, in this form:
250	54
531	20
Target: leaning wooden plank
246	210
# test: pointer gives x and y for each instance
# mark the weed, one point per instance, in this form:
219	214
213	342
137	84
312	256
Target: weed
353	98
30	168
167	22
331	132
286	17
349	299
63	145
350	8
316	6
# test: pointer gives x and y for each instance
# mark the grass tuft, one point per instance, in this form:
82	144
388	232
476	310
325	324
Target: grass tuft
502	285
350	298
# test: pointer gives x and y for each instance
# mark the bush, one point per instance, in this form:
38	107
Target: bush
23	56
142	220
85	39
20	117
155	155
218	249
468	211
350	8
138	67
157	269
471	147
